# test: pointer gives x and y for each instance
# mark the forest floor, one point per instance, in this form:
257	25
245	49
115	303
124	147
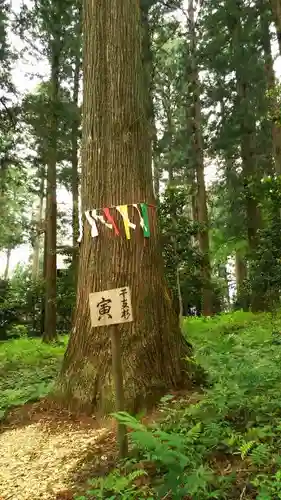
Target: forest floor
44	450
224	442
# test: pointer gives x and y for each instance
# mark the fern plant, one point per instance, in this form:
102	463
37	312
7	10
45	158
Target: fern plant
261	455
116	486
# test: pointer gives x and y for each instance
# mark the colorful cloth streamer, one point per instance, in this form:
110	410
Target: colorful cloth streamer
144	221
101	219
146	230
123	209
111	220
92	222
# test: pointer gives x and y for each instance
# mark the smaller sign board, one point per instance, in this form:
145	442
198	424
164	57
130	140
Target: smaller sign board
111	307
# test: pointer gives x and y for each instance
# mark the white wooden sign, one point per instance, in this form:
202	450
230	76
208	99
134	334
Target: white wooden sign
111	307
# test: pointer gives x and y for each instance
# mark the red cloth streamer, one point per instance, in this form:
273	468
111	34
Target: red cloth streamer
111	220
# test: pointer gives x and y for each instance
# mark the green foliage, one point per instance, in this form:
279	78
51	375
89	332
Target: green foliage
235	421
265	269
116	486
177	231
27	370
22	299
180	252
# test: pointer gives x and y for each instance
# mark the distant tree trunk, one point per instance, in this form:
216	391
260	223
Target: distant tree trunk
240	269
248	145
202	211
276	12
170	185
224	275
266	42
156	166
240	278
147	61
74	146
247	129
74	165
50	333
180	298
7	267
37	241
43	303
116	169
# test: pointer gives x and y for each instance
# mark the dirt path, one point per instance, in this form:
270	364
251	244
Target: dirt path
43	452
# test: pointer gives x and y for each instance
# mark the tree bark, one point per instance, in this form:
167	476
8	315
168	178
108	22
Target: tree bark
116	169
202	210
276	13
51	205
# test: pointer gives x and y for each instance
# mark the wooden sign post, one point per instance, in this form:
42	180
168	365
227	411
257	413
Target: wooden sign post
110	308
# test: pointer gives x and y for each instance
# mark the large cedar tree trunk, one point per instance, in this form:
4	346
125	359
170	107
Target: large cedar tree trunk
116	169
201	201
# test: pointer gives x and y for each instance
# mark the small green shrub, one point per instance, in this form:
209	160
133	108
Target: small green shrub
27	370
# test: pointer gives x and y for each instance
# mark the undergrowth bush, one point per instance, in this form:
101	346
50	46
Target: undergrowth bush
226	444
27	370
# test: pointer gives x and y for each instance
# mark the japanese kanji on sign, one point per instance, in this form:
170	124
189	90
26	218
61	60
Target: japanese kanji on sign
111	307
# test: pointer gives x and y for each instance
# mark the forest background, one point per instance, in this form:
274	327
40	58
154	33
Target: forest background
206	134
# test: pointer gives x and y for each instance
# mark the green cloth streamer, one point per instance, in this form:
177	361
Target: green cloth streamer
144	211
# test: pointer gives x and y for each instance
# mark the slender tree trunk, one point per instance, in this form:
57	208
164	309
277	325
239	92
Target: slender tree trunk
247	128
248	145
37	242
156	166
180	299
75	176
116	169
51	206
74	153
202	211
240	278
147	61
170	185
7	267
276	129
43	302
276	12
240	269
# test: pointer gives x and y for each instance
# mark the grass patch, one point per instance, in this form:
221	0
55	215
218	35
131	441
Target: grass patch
27	370
228	445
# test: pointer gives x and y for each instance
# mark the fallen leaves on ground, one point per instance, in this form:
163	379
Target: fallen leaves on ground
40	460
